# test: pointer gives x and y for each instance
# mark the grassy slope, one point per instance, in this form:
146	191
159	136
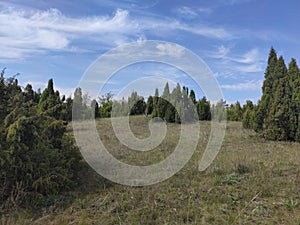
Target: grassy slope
251	181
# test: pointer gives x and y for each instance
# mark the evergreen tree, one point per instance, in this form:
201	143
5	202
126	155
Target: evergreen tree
248	114
136	104
293	92
77	105
50	102
166	92
277	112
193	96
263	107
95	109
276	127
155	102
29	93
37	157
235	112
149	105
106	104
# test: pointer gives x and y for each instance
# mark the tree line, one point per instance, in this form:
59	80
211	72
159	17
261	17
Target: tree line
174	106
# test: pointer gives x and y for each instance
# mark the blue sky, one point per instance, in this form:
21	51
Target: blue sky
59	39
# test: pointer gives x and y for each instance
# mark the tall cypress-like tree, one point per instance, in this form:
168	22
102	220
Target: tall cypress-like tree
277	112
149	105
193	96
166	92
77	105
293	91
276	122
155	102
267	88
50	102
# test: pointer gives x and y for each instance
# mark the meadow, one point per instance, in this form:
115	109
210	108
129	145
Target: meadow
251	181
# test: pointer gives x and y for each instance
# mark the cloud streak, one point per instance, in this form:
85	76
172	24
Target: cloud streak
188	12
249	62
25	32
248	85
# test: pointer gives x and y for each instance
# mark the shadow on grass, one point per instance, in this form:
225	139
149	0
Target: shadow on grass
88	182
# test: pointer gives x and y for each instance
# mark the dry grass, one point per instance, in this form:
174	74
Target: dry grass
252	181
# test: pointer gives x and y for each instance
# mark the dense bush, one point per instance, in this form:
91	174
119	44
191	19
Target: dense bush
37	157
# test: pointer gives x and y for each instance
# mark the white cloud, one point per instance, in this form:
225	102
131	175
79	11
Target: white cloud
29	31
249	62
25	32
249	57
248	85
212	32
255	67
169	49
188	12
221	53
166	25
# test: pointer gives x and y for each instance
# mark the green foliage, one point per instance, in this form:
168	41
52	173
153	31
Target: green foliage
193	96
149	106
136	104
95	109
219	110
277	113
50	103
77	105
248	115
106	104
235	112
177	106
37	157
203	109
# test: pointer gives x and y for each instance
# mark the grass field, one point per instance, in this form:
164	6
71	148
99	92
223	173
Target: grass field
252	181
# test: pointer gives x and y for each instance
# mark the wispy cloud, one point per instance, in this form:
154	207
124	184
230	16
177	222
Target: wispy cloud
188	12
248	62
248	85
25	32
249	57
168	49
29	31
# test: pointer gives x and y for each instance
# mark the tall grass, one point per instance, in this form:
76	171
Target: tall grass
252	181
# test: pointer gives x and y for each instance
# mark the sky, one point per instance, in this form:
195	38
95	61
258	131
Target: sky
60	39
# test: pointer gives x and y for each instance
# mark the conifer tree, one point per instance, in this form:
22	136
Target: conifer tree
267	88
149	105
166	92
77	105
193	96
